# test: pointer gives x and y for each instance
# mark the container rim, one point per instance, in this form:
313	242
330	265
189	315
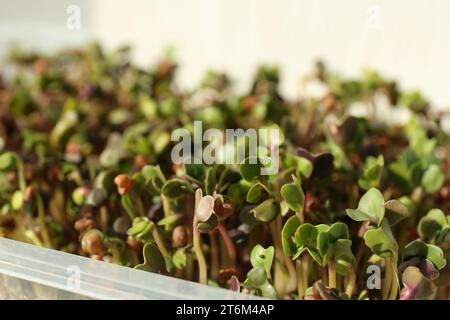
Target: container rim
97	279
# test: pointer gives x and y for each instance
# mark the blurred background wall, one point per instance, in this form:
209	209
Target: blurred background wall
408	40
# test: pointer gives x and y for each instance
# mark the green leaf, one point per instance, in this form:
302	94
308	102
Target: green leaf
293	194
395	211
210	180
266	211
65	124
154	178
332	241
148	107
338	230
431	225
428	228
257	276
358	215
141	229
422	250
105	180
306	236
401	174
256	191
414	101
170	266
153	259
373	168
7	161
322	228
208	225
284	209
268	291
444	238
171	221
127	204
175	188
381	241
237	193
304	167
180	259
5	184
323	243
197	172
433	178
262	258
343	255
17	200
250	168
370	207
316	256
417	287
300	251
438	216
287	234
436	256
418	139
160	140
170	107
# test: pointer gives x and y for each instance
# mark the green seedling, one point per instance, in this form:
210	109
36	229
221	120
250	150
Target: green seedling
86	167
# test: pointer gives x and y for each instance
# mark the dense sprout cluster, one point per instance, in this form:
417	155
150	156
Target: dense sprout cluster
85	167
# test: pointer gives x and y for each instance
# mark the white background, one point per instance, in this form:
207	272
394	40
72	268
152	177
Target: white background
408	40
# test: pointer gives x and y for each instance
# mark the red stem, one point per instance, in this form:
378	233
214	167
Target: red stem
228	242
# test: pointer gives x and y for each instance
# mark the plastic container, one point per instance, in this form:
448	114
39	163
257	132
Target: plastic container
30	272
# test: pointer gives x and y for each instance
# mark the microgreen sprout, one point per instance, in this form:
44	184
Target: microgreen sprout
86	167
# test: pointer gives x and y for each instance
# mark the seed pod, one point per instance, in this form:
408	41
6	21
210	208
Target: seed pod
121	225
329	101
92	242
73	151
84	224
124	184
166	69
133	244
29	194
140	161
11	176
97	197
180	237
249	103
445	193
79	195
